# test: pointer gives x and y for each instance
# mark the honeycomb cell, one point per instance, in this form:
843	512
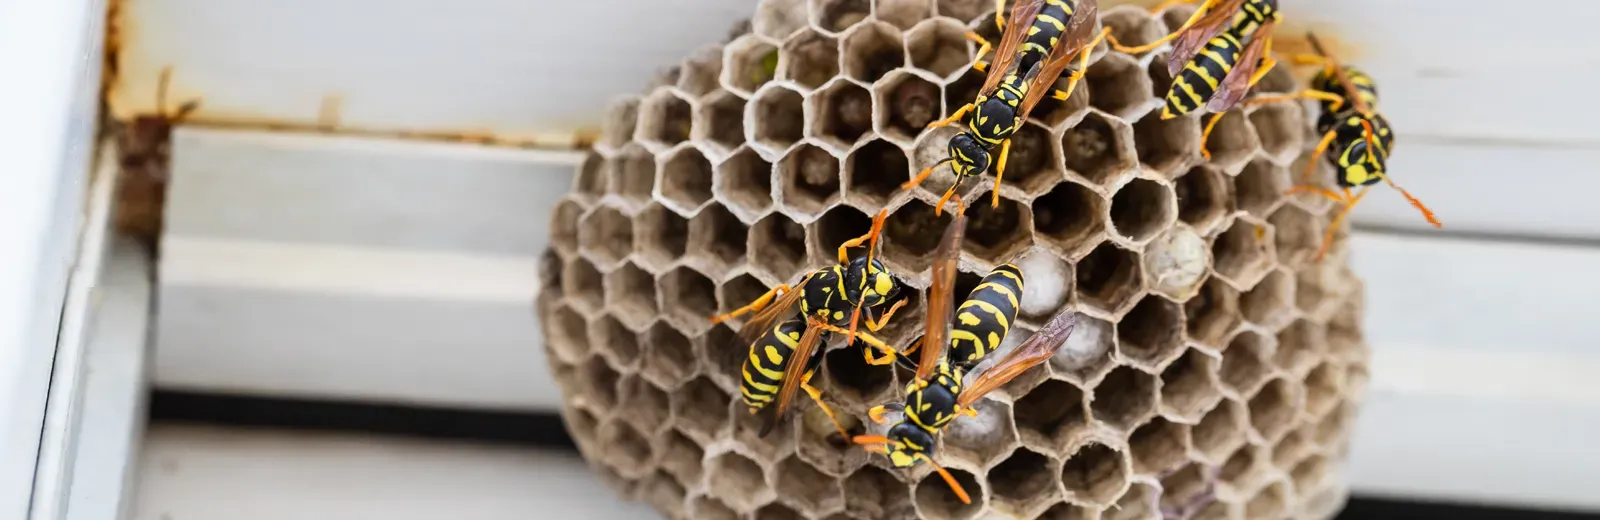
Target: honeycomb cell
838	226
681	456
1323	386
906	13
1159	446
619	122
964	10
1176	262
870	50
1213	313
1204	197
738	292
1232	141
996	234
590	182
962	90
568	335
1186	491
1053	414
777	512
669	357
1281	127
1243	254
1220	432
664	119
1151	334
1069	218
1048	284
912	233
1336	426
613	340
1310	475
688	298
852	380
777	19
1139	503
605	236
873	492
905	103
700	411
935	500
700	71
1096	474
1270	502
737	480
663	237
876	171
1034	162
664	78
835	16
749	62
818	443
719	121
1294	447
1188	386
1134	27
779	115
1167	145
808	181
1087	353
1125	398
582	284
983	440
1053	113
631	176
1260	187
1298	234
1099	149
1142	208
600	384
582	424
743	182
685	179
1300	346
1023	480
1270	303
810	59
716	239
1109	279
723	355
627	450
1245	470
1244	362
1070	511
664	493
778	247
710	508
841	113
644	405
745	429
938	45
1119	86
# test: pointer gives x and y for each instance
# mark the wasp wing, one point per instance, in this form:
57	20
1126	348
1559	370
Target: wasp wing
760	322
941	297
1352	95
1073	41
1237	84
1037	349
1218	16
1017	27
793	374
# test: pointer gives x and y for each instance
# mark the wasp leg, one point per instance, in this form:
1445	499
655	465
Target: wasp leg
1170	36
754	306
889	353
1205	135
983	48
1338	218
1336	100
999	172
1000	15
844	256
816	395
1316	155
876	412
883	321
962	112
1083	65
939	209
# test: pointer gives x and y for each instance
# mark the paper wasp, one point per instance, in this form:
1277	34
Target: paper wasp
145	144
1023	70
783	352
936	396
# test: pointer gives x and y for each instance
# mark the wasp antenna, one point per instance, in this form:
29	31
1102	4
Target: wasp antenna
948	479
1316	44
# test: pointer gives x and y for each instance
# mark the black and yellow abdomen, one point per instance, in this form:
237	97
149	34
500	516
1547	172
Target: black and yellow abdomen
1199	79
1045	33
762	374
982	321
1366	92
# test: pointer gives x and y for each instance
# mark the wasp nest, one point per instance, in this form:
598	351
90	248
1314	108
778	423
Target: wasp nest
1216	371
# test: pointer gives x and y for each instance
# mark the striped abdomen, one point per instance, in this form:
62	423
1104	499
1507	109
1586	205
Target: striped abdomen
1199	79
981	322
770	354
1366	91
1045	33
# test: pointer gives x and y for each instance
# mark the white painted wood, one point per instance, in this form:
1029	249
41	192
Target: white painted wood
50	54
192	472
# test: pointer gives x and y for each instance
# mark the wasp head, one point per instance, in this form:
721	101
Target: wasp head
970	157
869	282
908	443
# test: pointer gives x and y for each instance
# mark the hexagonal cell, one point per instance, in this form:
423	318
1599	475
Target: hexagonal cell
719	120
606	236
778	246
1244	470
1167	145
1260	187
1095	474
590	182
1213	313
664	77
905	104
700	410
1271	502
1023	479
912	233
1300	346
841	114
1033	164
1281	127
1188	388
580	423
1151	333
777	512
723	355
802	485
817	442
717	239
1054	113
938	46
1298	234
1311	475
962	90
905	13
581	284
935	499
687	297
1221	431
669	357
835	16
1176	262
839	225
1125	398
852	380
1069	217
631	294
1142	208
1139	503
664	493
1270	303
737	479
1118	85
1134	27
738	292
1204	197
564	226
1186	491
1336	426
1109	278
631	175
663	237
748	63
964	10
981	440
777	19
744	182
710	509
680	456
600	384
870	50
810	58
996	234
1099	149
1052	414
664	119
1297	445
1323	386
1087	354
626	449
875	493
700	71
876	172
1244	365
1243	254
808	180
1159	446
613	340
644	405
621	119
568	335
1070	511
1232	140
779	119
